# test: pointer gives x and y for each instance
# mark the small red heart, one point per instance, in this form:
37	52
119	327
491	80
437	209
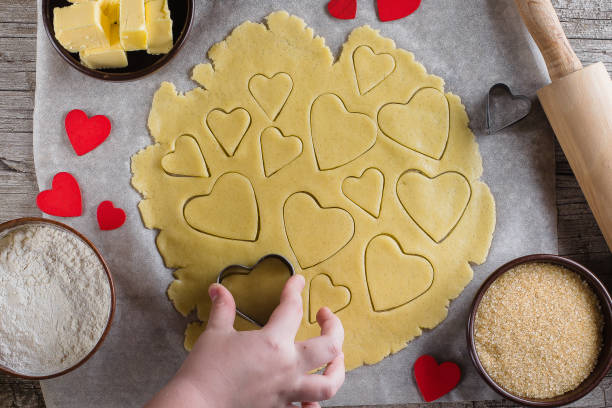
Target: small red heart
109	217
342	9
64	198
389	10
85	133
435	380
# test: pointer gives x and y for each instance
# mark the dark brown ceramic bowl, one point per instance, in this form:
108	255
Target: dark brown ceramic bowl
9	225
140	63
605	357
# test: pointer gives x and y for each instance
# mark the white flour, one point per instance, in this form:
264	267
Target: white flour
54	300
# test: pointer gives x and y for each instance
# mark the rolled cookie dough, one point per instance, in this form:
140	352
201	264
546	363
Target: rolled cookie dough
363	173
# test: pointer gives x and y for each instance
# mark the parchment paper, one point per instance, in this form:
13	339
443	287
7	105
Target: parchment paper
472	44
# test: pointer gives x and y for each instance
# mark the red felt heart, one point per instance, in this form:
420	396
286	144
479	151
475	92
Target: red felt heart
109	217
64	198
395	9
85	133
435	380
342	9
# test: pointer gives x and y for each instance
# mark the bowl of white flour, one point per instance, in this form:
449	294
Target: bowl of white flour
57	298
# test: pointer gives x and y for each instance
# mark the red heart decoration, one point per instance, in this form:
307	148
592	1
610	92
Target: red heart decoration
85	133
389	10
109	217
435	380
64	198
342	9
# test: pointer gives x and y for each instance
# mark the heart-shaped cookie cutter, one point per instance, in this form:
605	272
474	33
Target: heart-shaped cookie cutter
505	87
245	270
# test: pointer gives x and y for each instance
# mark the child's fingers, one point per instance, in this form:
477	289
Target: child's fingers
318	351
223	310
310	405
287	316
317	387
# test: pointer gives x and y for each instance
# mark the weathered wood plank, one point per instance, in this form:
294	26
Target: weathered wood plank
17	30
16	393
16	104
21	11
15	124
18	81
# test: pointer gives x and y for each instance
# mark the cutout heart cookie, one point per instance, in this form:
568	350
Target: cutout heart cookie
394	277
229	211
323	292
278	150
370	68
315	233
437	203
339	136
186	159
271	93
422	124
229	128
366	191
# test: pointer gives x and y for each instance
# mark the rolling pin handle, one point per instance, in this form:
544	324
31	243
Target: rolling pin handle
543	24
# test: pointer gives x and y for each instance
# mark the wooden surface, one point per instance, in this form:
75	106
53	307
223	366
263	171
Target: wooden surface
588	24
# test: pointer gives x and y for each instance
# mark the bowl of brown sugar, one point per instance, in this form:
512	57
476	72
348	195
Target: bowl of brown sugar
540	331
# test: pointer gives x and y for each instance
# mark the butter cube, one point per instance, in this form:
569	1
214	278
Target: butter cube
111	9
132	26
112	56
159	27
80	26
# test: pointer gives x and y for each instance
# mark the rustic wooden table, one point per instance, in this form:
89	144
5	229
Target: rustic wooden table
588	24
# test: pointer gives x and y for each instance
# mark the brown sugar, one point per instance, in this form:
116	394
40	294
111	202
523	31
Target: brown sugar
538	330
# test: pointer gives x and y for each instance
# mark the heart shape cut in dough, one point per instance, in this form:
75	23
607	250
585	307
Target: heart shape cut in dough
315	233
323	292
436	204
271	93
229	211
278	150
186	159
339	136
257	289
229	128
394	278
371	68
366	191
421	125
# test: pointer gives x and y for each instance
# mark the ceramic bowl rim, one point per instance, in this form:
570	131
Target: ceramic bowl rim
37	220
117	76
605	357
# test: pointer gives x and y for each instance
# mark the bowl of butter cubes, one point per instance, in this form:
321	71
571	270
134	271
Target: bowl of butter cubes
117	40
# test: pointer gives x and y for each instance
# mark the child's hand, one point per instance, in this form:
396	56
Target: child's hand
263	368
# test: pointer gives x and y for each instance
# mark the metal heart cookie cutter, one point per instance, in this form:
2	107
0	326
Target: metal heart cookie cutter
245	270
510	116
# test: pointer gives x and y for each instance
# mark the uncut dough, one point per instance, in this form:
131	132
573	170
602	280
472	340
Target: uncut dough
361	250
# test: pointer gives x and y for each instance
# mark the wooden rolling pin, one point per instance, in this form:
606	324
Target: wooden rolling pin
578	104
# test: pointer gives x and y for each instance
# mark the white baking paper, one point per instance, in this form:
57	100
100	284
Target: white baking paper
472	44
